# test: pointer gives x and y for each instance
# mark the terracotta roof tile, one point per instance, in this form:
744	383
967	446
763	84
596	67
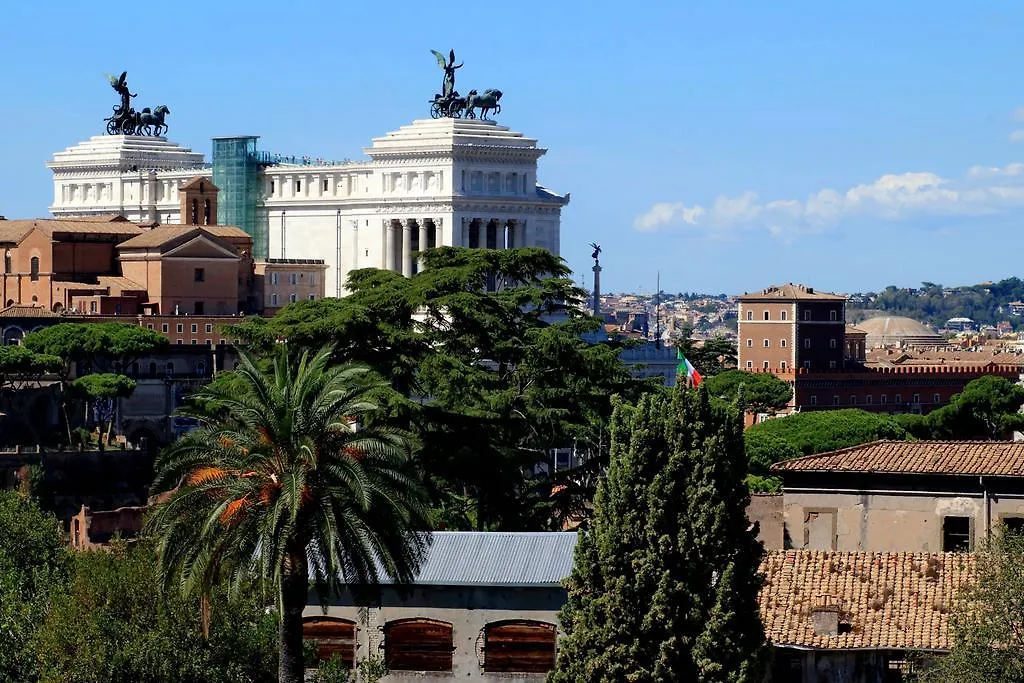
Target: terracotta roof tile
981	458
26	311
157	237
892	601
790	291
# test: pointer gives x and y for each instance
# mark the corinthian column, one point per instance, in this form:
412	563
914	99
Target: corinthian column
407	248
423	243
389	245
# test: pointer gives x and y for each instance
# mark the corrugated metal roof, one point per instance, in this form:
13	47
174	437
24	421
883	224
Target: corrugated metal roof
491	558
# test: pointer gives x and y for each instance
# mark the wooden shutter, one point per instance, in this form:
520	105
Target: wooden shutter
333	638
418	645
519	647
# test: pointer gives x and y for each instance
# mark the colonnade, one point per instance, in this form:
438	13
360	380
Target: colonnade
403	238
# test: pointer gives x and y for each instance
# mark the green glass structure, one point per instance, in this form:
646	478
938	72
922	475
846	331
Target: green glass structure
236	172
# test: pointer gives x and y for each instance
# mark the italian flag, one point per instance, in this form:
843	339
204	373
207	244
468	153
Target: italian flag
685	366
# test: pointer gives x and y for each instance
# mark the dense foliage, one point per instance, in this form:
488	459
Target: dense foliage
710	357
935	304
486	354
987	409
758	392
115	622
988	620
664	585
291	477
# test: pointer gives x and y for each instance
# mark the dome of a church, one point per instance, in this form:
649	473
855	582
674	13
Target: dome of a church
895	330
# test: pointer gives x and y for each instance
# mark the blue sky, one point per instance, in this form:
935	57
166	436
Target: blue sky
728	145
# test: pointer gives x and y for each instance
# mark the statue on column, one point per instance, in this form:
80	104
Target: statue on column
597	253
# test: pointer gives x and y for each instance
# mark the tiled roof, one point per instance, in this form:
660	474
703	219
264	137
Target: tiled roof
491	558
891	601
26	311
78	286
789	292
976	458
158	237
116	282
14	231
196	180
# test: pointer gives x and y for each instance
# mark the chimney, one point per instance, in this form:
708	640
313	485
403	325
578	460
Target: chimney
825	619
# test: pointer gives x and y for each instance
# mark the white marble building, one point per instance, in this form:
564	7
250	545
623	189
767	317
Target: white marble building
435	182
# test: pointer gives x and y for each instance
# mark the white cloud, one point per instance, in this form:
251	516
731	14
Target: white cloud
984	190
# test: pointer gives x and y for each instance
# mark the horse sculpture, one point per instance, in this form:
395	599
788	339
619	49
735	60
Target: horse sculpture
148	122
486	102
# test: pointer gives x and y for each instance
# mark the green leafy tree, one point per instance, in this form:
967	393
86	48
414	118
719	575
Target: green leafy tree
79	346
988	620
664	584
759	392
106	385
33	566
485	349
279	484
116	622
988	408
713	356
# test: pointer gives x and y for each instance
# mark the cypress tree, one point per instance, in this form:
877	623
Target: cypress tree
664	584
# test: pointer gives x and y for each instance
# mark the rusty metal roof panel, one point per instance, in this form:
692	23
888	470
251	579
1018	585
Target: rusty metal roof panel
486	558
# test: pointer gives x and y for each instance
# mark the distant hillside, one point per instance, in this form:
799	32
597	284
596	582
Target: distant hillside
985	304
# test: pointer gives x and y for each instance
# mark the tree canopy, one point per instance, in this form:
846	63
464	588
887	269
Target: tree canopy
486	352
664	583
759	392
987	409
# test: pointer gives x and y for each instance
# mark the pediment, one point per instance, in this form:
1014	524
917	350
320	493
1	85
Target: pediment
200	246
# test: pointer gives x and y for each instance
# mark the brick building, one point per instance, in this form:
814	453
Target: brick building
801	336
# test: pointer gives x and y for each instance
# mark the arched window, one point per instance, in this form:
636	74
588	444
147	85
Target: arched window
418	645
519	647
34	268
195	212
334	638
8	266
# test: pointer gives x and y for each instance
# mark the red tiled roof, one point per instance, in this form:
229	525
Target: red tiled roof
981	458
891	601
26	311
790	292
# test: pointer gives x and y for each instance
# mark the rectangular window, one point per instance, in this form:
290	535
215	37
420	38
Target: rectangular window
782	343
312	297
312	278
766	365
956	534
750	364
1014	525
898	398
814	400
832	315
273	299
782	315
149	326
767	343
807	365
195	342
936	399
883	399
293	279
195	328
180	341
807	342
181	327
831	365
782	365
298	186
750	343
164	327
325	184
853	399
200	275
209	328
273	186
831	343
868	399
767	315
835	400
750	315
916	398
807	315
273	279
292	298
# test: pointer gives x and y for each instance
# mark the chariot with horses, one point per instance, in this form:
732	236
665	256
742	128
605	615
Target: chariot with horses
126	121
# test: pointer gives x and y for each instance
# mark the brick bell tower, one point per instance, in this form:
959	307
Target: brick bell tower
198	202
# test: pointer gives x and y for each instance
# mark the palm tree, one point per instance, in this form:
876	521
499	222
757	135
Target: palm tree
289	481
